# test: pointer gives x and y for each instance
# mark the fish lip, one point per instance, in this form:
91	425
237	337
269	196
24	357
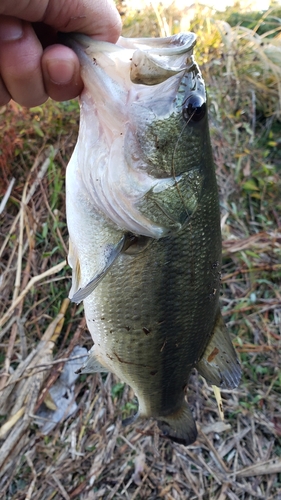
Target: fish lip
74	40
177	44
153	60
77	42
71	39
68	38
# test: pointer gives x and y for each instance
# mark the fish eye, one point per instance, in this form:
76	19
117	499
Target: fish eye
194	110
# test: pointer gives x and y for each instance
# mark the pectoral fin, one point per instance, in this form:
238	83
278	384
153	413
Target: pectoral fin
219	364
74	263
112	253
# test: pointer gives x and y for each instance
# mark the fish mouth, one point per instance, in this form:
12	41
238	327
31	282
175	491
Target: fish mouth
152	60
128	87
178	44
80	43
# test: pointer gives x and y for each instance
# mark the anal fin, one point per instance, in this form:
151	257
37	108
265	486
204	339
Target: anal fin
92	364
219	364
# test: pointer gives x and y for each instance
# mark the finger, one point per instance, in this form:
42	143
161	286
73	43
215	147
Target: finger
97	18
61	72
4	94
20	62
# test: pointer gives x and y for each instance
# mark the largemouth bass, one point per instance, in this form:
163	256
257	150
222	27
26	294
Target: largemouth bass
144	225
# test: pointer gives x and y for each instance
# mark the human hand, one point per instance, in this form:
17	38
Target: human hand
32	65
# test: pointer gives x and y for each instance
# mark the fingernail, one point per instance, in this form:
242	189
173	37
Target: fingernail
10	29
60	72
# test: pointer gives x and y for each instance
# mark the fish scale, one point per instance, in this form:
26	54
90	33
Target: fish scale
144	225
183	332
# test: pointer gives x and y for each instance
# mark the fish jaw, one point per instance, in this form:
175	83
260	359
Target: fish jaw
114	171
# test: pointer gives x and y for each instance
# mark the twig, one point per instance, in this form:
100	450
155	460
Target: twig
32	282
16	290
7	327
39	368
8	357
54	375
60	487
33	482
7	195
215	454
14	437
31	192
30	390
267	467
55	220
20	244
11	422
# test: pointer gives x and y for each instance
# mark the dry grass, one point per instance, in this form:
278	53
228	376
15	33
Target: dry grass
90	455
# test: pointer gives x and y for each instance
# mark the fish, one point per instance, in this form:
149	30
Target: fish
144	225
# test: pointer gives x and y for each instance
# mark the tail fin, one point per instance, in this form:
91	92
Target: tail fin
179	426
220	365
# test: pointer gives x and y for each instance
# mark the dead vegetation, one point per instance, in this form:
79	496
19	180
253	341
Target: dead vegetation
90	455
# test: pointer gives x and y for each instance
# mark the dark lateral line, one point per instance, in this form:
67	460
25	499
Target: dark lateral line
131	362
